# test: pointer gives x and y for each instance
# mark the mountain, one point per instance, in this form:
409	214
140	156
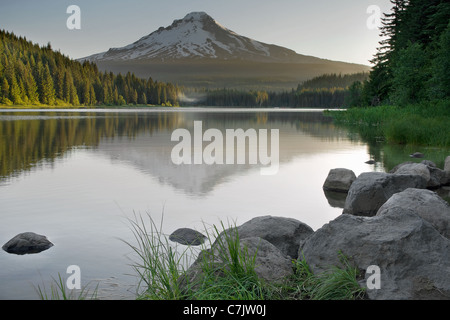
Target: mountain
198	36
199	51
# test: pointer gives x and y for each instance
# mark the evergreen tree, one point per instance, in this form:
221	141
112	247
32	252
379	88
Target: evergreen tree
355	95
5	89
14	90
440	81
379	82
143	98
409	75
134	97
92	96
47	90
31	86
413	51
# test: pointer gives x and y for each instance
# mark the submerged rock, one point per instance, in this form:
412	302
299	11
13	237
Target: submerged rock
27	243
417	155
187	237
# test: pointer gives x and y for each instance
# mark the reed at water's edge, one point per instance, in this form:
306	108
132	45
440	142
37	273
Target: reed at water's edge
422	124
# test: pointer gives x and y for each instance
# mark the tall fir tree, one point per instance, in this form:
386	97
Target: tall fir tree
47	95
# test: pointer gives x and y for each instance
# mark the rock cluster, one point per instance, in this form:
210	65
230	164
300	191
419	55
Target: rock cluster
371	190
391	220
407	239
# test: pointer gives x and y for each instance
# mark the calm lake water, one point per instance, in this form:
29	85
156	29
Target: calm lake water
78	176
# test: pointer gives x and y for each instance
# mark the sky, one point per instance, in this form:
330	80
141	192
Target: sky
336	30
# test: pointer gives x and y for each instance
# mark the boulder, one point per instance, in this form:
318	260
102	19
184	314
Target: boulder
187	237
414	169
284	233
372	189
435	177
27	243
438	178
271	265
412	256
399	165
339	180
425	203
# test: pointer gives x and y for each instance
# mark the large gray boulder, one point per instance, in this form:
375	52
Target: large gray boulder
372	189
426	203
339	180
412	256
27	243
271	265
284	233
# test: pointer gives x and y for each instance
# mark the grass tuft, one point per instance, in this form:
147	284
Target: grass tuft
58	291
159	266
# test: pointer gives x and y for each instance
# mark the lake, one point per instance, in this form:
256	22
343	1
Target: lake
78	176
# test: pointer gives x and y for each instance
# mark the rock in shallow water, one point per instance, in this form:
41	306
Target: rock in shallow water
187	237
417	155
339	180
27	243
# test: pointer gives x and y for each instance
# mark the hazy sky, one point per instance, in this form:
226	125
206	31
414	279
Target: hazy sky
330	29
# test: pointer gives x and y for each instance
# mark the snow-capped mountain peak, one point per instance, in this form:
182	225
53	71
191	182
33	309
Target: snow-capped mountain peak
197	36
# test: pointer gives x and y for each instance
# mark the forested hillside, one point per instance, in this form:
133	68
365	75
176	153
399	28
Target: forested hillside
33	75
325	91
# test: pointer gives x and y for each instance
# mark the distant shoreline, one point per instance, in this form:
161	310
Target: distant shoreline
155	107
